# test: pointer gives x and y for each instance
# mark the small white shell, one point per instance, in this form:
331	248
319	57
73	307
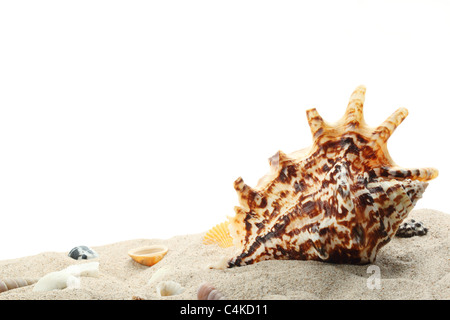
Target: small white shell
66	278
169	288
56	280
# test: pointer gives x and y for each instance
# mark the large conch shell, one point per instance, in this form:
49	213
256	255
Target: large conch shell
14	283
339	201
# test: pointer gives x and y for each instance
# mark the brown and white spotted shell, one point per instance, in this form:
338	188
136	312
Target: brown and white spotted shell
339	201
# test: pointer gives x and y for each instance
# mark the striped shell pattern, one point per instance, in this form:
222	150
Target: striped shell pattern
338	201
14	283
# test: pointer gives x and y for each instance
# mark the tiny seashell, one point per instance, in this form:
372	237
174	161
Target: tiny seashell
411	228
206	291
82	252
169	288
14	283
148	255
219	234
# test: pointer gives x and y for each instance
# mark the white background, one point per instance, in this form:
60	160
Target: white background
132	119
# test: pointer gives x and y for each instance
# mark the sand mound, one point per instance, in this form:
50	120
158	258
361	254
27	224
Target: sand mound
408	268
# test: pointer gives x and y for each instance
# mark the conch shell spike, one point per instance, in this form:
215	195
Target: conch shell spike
420	174
246	194
387	128
240	186
315	121
277	159
354	113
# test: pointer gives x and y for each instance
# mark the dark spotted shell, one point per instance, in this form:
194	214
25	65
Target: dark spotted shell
411	228
82	252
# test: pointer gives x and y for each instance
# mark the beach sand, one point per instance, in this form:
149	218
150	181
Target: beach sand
409	268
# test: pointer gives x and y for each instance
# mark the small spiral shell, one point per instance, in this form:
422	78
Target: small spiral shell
169	288
208	292
13	283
